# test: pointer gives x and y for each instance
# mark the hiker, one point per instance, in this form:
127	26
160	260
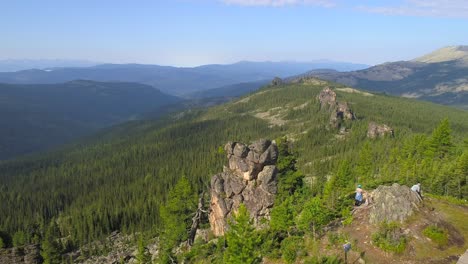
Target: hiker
417	188
359	195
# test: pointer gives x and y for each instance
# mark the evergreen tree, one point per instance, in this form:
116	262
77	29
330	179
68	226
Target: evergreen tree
313	216
242	240
365	164
441	144
142	255
51	247
282	216
176	216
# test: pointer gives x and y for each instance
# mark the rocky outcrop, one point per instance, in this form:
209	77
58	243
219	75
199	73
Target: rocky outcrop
339	110
327	98
375	130
393	203
276	81
250	179
28	254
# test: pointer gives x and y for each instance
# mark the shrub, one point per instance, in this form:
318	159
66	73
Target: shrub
291	248
436	234
390	238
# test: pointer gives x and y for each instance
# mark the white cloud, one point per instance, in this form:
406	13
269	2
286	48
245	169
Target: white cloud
280	3
427	8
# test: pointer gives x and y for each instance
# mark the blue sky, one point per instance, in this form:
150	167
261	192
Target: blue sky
195	32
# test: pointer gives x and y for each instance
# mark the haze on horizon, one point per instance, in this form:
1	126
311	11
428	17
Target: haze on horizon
197	32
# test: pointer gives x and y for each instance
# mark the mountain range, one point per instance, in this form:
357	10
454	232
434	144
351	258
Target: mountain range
12	65
440	77
173	80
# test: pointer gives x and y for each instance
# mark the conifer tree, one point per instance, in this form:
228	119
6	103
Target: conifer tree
441	144
51	248
142	256
176	216
242	240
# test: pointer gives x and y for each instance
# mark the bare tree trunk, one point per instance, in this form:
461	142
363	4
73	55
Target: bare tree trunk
196	220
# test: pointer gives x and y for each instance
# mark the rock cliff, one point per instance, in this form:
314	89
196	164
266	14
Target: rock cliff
249	179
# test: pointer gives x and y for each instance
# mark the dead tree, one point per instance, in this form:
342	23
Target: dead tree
196	219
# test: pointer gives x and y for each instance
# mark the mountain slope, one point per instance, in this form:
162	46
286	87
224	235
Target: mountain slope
450	53
122	178
173	80
438	77
37	117
229	91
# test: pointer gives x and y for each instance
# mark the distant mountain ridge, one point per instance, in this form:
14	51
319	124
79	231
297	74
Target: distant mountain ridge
441	77
12	65
174	80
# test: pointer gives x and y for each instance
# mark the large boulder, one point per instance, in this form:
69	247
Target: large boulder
276	81
375	130
393	203
250	178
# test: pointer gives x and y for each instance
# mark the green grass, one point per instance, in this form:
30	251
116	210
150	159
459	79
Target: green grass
436	234
390	238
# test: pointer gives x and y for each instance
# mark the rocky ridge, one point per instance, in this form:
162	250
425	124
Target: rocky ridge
250	178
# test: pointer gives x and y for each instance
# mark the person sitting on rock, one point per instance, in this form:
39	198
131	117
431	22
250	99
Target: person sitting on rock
417	188
359	195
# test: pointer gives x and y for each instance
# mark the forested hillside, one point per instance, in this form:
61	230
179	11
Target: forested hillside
37	117
121	180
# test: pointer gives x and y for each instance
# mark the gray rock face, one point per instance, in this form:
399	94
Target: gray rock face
393	203
251	178
375	130
29	254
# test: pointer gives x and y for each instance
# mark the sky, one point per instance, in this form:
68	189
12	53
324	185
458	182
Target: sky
196	32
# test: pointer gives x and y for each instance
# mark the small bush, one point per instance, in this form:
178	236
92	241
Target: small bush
291	248
2	245
390	238
436	234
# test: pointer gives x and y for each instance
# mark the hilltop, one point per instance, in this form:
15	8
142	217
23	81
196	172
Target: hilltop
142	177
451	53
